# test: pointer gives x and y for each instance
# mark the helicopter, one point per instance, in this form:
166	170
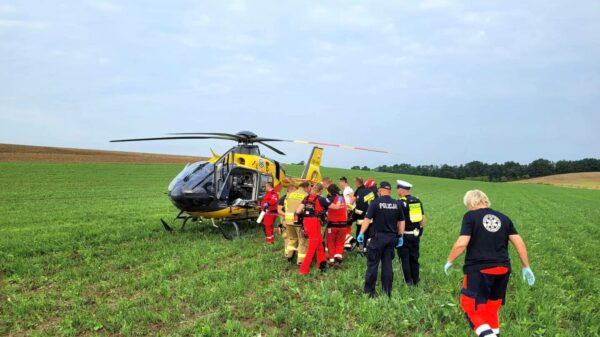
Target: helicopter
229	187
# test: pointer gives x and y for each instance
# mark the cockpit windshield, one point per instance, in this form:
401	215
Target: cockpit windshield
189	168
200	180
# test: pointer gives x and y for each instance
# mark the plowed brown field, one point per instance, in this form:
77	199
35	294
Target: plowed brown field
26	153
589	180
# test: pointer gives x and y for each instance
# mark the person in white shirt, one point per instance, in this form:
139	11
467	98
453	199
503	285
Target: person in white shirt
347	190
348	193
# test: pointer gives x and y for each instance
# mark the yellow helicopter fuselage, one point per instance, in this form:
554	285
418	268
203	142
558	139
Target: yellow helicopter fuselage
234	183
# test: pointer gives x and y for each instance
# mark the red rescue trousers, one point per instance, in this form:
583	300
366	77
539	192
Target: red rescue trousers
336	238
312	228
482	295
269	221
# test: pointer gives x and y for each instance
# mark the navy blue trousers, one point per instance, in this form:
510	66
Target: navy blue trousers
380	249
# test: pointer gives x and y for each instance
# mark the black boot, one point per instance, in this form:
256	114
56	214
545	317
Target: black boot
323	266
337	263
292	259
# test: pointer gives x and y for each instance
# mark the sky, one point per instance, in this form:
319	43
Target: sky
432	81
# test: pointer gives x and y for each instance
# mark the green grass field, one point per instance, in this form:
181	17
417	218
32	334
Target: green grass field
83	253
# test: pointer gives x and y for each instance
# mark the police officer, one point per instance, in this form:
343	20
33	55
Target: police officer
388	226
414	216
485	234
362	197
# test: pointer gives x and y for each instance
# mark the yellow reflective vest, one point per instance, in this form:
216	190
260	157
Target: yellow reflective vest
291	203
415	209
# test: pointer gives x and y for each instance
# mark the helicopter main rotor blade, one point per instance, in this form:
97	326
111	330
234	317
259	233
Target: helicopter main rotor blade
260	139
246	137
169	138
337	145
272	148
253	140
206	134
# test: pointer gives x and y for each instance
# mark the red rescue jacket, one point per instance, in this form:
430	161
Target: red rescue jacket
338	215
312	206
272	199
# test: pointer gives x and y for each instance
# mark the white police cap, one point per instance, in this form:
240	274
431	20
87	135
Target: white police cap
403	184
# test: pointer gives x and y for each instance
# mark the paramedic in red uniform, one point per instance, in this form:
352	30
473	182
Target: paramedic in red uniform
337	226
485	234
310	211
269	205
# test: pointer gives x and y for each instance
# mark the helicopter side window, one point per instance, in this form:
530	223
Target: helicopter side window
222	169
249	149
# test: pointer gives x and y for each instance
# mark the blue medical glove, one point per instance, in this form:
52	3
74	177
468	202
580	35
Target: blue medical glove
360	238
266	205
447	267
528	276
400	242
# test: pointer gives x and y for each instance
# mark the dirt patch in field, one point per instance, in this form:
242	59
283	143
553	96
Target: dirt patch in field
590	180
43	154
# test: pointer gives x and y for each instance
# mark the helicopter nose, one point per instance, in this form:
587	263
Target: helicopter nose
190	201
190	198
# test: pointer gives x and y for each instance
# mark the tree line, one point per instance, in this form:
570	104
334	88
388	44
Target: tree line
507	171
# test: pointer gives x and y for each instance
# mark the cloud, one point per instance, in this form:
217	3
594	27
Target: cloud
7	9
355	16
22	24
105	6
477	18
237	6
434	58
27	116
428	5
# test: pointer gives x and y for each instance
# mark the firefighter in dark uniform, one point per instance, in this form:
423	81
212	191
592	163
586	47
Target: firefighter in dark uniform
388	226
485	234
362	197
414	216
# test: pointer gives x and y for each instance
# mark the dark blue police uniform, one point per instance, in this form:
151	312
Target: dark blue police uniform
409	252
385	213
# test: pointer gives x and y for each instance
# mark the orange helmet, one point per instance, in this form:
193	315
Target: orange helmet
370	183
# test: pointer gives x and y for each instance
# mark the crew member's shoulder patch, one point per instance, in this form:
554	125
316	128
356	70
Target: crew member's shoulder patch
492	223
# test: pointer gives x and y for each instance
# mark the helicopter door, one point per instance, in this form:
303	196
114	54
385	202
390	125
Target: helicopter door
262	185
241	185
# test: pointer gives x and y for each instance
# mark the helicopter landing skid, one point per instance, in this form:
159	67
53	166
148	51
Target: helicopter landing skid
185	219
225	233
